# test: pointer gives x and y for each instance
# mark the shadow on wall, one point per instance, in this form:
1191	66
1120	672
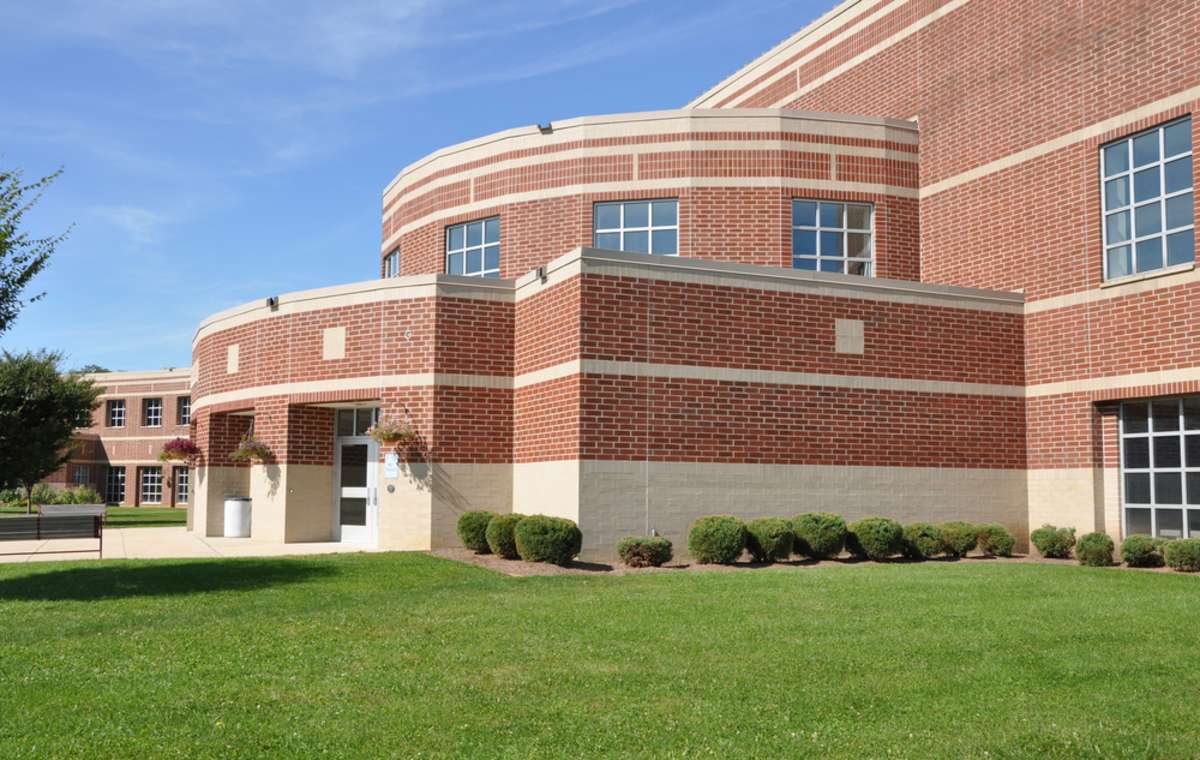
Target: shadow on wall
98	582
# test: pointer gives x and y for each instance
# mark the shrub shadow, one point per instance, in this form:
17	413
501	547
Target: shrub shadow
101	582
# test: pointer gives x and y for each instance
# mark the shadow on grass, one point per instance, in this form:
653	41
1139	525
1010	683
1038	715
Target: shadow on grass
172	579
118	523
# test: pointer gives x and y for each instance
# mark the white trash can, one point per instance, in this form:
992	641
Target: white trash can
237	517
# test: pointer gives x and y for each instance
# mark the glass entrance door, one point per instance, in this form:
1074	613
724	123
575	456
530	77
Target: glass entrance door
355	498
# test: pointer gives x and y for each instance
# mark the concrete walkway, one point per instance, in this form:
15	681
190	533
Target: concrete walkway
160	543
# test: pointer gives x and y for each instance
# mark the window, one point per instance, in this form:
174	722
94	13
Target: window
391	264
152	412
85	419
116	413
473	249
637	227
1146	187
183	410
83	475
151	486
182	491
832	237
356	421
1160	467
114	485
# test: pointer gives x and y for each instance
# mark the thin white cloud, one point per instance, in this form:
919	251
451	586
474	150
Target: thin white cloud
143	226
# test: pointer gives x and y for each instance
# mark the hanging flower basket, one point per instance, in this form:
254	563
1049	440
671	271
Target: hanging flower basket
179	450
250	449
393	432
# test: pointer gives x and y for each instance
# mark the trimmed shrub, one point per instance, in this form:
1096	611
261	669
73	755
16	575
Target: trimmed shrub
769	539
875	538
472	530
1142	551
1094	550
645	551
922	540
548	539
11	496
1183	555
958	537
500	537
994	540
717	540
44	494
820	535
1053	542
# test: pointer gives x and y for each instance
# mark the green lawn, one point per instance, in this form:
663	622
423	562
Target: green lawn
129	517
407	655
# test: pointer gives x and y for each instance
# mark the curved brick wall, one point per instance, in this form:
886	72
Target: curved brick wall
734	173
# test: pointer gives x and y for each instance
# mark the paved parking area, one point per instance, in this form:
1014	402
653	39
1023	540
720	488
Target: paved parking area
160	543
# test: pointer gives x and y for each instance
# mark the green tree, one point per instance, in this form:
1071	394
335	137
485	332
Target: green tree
89	369
21	256
39	406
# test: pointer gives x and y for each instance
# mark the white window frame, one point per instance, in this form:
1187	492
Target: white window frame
150	485
391	264
114	413
622	229
183	410
1131	206
152	412
82	476
843	258
114	481
183	484
1181	433
358	426
467	249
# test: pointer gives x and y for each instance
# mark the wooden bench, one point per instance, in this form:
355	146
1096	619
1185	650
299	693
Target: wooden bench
42	527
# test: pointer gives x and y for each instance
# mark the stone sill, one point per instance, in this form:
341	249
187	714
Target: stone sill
1166	272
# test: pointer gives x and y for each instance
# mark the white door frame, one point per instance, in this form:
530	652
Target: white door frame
365	534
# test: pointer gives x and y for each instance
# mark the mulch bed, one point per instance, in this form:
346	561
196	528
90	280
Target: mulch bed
517	568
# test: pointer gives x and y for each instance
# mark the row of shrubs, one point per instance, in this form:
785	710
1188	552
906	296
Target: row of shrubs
533	538
1096	549
45	494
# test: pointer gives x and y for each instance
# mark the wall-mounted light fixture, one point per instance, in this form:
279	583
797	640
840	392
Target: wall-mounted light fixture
547	128
272	302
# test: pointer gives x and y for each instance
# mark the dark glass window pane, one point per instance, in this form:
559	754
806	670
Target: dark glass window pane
1149	254
353	511
1191	413
474	260
637	242
1177	174
1191	449
1137	453
1133	416
345	422
1137	488
354	466
858	267
1116	158
1147	219
1166	451
1170	523
1181	247
1166	415
798	263
491	233
804	213
454	238
363	420
1145	184
1179	211
664	213
831	244
474	233
1137	521
831	214
858	217
1177	137
637	214
1118	227
609	240
1145	148
1193	523
831	265
1193	487
1168	488
804	242
1116	193
1120	261
664	243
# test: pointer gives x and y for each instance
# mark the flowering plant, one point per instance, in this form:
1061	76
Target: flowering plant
388	430
250	449
179	449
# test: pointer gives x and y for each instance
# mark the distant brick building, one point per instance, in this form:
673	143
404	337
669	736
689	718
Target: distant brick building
117	453
974	298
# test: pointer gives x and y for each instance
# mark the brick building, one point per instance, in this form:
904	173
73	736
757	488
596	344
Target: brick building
117	451
930	259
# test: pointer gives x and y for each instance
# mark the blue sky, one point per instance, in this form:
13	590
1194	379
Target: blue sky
217	152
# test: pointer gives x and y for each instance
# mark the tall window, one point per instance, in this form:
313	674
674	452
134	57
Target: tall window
391	264
832	237
116	413
1160	467
182	485
83	475
473	248
183	410
637	226
114	485
151	486
152	412
1146	184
